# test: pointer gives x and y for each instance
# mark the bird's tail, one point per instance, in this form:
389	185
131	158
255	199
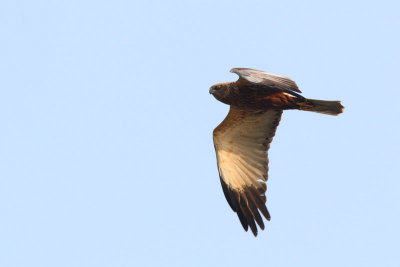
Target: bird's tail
321	106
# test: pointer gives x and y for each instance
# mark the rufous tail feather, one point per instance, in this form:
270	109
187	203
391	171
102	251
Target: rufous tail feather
321	106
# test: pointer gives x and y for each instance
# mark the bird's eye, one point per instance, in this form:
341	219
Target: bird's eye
217	87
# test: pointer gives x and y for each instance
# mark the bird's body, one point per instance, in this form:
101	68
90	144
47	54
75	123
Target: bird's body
242	140
256	97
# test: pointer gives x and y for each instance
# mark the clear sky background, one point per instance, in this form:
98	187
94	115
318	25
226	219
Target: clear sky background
106	121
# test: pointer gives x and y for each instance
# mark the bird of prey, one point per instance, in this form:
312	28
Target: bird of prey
257	100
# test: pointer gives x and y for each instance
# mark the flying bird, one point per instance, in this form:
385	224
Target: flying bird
257	100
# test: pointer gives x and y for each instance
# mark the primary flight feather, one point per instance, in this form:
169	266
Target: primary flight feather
257	100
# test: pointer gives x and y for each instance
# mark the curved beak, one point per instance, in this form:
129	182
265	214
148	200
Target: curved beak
210	91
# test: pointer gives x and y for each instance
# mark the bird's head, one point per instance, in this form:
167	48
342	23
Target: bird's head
220	91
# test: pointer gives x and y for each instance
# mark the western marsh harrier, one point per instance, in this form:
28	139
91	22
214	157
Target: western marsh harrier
257	100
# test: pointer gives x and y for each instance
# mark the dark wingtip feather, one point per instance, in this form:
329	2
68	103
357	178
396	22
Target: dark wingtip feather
253	209
247	204
247	212
243	221
259	200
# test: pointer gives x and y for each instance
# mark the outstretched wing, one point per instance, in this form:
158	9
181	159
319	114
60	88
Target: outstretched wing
267	79
241	143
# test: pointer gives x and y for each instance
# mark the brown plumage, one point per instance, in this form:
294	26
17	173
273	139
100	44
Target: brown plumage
257	100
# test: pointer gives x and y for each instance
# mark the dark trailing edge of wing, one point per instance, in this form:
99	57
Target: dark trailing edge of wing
247	204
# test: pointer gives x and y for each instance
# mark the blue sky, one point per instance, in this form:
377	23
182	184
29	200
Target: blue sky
106	150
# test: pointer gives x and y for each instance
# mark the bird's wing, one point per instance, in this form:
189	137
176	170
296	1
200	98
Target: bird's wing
264	78
241	143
